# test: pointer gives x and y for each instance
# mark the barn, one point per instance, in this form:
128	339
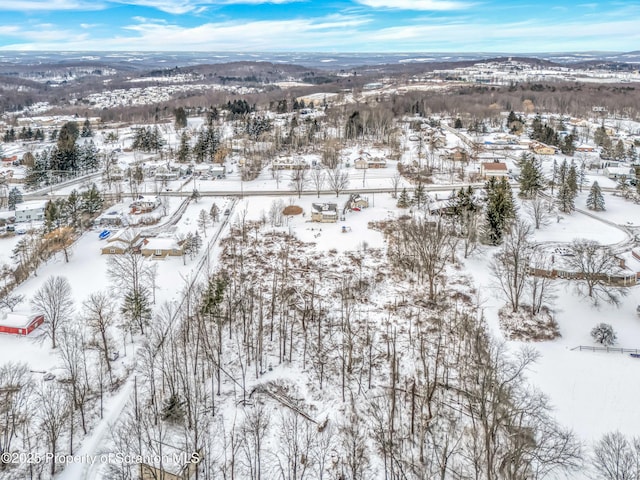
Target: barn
19	324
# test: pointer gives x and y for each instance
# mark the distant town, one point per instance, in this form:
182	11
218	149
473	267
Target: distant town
272	270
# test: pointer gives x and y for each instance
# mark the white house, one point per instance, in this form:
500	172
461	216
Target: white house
29	211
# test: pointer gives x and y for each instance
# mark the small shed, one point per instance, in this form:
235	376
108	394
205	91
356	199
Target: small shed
19	324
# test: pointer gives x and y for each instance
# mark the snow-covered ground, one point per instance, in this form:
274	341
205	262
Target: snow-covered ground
592	392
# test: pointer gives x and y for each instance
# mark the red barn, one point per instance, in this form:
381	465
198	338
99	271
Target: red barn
19	324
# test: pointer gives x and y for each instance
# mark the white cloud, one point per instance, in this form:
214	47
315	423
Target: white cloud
180	7
49	5
432	5
340	33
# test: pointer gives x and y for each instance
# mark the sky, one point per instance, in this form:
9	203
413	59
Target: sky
505	26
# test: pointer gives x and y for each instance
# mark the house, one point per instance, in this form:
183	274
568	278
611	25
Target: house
493	169
29	211
324	212
356	201
165	173
620	172
19	324
161	247
377	163
361	163
366	161
121	242
218	170
458	154
542	149
112	218
144	204
586	148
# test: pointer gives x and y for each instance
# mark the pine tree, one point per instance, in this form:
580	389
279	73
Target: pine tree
565	198
51	216
419	196
531	178
572	179
403	199
92	200
500	210
86	129
15	197
183	150
595	200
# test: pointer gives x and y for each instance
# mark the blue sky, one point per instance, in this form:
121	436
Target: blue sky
517	26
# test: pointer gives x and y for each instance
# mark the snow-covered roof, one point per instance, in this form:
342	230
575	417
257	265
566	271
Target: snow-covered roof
161	243
32	205
15	320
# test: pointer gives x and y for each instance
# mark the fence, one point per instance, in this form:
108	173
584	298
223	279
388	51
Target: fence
606	349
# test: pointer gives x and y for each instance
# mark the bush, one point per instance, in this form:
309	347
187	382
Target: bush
603	333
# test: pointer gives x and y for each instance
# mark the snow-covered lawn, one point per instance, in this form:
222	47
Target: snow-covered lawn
592	392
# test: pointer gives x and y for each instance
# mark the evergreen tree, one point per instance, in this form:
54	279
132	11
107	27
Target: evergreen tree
554	175
572	179
86	129
500	209
173	409
184	151
619	152
531	178
419	196
73	208
403	199
136	308
567	146
15	197
566	198
458	124
180	118
51	216
595	200
92	200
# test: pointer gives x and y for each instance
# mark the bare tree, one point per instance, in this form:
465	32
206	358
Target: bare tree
299	180
10	300
594	265
318	178
539	211
16	388
55	302
395	184
99	315
203	221
541	288
511	264
423	246
614	458
53	411
338	180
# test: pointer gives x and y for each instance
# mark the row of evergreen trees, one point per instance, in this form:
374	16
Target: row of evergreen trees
68	212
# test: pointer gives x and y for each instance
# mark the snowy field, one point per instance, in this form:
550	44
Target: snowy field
592	392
